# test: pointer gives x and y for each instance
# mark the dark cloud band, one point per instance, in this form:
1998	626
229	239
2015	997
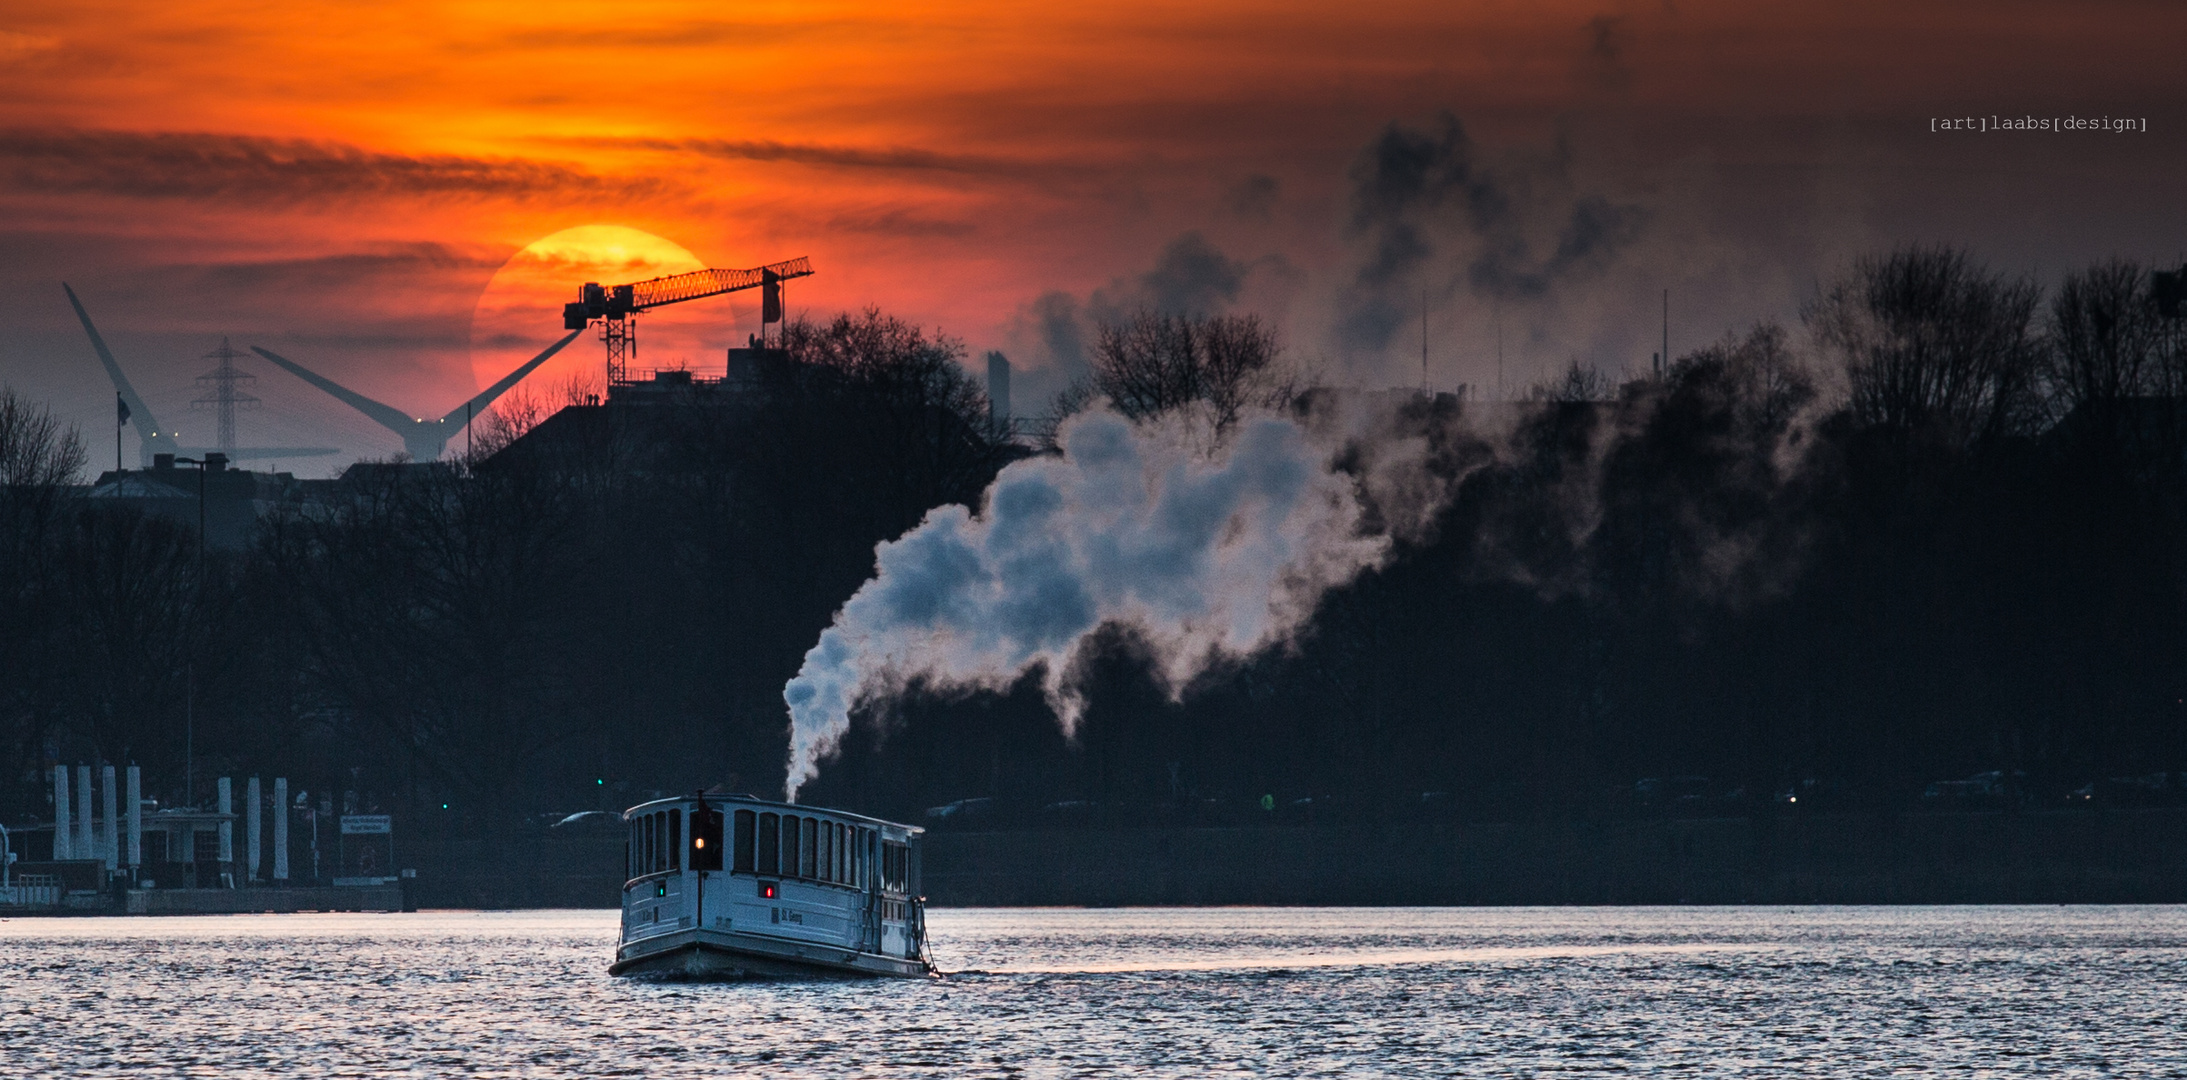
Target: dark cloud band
209	166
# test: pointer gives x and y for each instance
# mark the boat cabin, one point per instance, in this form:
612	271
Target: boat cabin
733	885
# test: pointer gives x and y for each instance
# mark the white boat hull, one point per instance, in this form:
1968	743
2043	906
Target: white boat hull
727	955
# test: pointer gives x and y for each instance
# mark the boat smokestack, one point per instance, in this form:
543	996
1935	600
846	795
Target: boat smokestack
280	828
62	849
136	820
85	847
109	823
252	842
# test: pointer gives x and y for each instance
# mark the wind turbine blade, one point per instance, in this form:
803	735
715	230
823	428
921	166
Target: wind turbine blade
473	408
387	416
246	453
140	417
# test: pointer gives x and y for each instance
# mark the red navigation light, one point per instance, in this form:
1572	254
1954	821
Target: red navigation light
766	890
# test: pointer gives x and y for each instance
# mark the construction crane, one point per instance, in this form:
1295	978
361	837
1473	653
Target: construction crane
616	307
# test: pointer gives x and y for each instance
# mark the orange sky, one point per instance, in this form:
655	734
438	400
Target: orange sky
340	182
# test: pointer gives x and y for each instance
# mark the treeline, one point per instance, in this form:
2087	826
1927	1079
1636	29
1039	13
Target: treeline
1937	529
568	622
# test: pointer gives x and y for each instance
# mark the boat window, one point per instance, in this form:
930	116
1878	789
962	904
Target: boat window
743	863
894	865
645	857
627	875
706	840
842	852
789	845
808	850
675	839
827	851
770	842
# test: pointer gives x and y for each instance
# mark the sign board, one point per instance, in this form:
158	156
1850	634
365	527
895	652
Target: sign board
367	825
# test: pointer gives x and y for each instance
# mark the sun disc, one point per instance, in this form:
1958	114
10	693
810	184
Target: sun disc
520	311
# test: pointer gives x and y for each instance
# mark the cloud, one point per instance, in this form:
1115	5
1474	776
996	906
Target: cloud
1254	198
900	222
1603	64
689	34
1432	213
879	159
181	165
1060	329
14	44
1206	559
1190	277
341	269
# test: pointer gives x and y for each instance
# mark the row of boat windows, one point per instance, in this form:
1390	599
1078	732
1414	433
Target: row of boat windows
776	845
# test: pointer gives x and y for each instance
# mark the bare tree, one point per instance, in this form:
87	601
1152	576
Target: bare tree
1767	385
1577	384
1934	346
908	418
2103	340
36	449
1155	364
39	456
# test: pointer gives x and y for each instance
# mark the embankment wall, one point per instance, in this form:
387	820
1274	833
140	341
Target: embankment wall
2080	856
1931	858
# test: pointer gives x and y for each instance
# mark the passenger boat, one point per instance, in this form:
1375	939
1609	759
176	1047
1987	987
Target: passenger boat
729	886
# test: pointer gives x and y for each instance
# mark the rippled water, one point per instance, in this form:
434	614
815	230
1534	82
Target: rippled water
2049	991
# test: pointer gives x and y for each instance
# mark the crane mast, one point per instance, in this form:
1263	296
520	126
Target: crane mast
616	307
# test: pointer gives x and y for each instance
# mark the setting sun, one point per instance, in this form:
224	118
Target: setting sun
520	310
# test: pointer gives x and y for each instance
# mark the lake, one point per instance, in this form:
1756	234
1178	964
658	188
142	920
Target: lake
1692	991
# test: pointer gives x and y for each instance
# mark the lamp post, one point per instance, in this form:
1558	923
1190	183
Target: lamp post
189	690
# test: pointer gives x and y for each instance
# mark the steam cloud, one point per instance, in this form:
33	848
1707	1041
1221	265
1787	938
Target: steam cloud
1205	557
1426	199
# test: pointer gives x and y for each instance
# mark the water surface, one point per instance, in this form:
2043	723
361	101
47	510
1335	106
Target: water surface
2006	991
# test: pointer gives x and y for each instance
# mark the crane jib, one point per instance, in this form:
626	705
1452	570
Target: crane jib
619	301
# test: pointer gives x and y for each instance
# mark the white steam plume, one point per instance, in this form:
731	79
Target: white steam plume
1205	558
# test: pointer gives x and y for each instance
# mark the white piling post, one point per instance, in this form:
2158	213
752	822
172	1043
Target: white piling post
280	828
84	846
252	838
62	849
136	820
110	825
227	829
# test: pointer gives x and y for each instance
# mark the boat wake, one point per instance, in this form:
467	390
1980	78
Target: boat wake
1389	958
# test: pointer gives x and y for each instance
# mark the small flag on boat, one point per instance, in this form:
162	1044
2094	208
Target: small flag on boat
121	410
